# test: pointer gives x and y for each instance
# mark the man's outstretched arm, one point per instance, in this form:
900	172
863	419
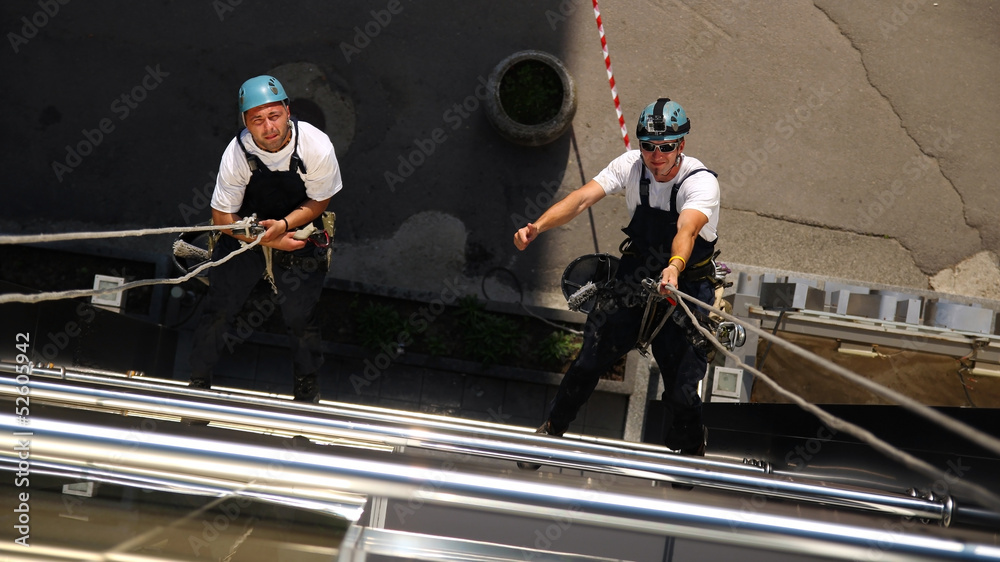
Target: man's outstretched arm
560	213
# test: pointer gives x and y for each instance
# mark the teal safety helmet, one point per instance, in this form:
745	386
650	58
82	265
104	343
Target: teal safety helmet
261	90
662	120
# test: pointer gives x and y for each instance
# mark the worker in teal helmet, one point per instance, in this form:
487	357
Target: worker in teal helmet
285	172
673	201
662	120
261	90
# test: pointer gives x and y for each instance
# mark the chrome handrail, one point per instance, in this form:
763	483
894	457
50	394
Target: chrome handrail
313	474
399	430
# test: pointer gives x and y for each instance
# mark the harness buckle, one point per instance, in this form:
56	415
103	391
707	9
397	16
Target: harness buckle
625	248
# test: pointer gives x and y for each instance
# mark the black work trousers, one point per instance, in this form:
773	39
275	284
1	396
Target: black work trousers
230	284
609	335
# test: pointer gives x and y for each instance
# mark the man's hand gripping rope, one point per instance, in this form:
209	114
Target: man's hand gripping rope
729	334
248	227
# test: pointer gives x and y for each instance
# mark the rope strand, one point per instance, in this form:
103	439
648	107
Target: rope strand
56	295
42	238
859	432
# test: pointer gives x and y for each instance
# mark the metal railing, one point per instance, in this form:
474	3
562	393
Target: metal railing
386	429
326	478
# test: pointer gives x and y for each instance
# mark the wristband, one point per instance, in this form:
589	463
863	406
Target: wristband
286	225
683	261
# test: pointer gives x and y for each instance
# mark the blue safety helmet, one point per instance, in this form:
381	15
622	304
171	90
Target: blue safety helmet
662	120
261	90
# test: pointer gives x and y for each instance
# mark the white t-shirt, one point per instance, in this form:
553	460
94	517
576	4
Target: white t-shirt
322	177
699	192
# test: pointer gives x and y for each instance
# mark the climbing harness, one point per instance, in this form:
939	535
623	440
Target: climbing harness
195	247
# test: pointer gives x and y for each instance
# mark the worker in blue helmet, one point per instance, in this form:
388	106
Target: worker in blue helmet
285	172
673	201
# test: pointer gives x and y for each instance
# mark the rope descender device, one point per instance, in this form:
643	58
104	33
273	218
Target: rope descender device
729	334
649	326
248	227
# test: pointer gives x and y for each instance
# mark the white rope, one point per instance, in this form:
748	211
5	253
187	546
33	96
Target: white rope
975	490
39	297
985	440
41	238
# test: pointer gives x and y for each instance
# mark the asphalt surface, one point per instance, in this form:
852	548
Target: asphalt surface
853	140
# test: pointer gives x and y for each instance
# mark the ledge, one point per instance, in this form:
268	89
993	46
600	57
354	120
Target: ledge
553	314
550	378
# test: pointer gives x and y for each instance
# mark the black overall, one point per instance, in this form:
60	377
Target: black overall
274	194
611	332
651	234
271	195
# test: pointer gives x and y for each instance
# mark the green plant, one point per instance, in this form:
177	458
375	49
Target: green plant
379	324
487	337
558	347
531	92
436	345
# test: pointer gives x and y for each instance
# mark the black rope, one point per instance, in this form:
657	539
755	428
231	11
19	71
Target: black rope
583	181
777	324
965	387
520	298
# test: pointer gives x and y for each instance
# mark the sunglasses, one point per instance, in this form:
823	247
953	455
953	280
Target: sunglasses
665	148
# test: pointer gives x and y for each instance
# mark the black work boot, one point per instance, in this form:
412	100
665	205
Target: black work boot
202	382
689	439
546	429
697	450
306	389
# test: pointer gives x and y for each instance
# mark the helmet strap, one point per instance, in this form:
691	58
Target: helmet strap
288	139
677	161
677	164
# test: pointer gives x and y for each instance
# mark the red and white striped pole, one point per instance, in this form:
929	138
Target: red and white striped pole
611	76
